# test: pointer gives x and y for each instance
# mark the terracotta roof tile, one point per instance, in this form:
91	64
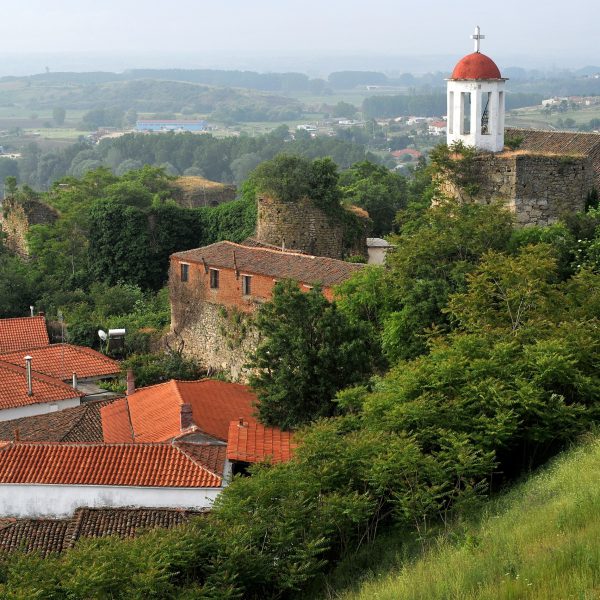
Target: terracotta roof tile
23	332
274	263
13	388
140	465
253	442
155	411
45	536
124	522
61	360
79	424
116	424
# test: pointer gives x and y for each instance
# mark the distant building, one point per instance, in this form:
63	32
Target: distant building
437	127
411	152
170	125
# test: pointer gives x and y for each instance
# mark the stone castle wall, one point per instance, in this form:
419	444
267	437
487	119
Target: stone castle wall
218	337
299	226
539	189
17	217
192	192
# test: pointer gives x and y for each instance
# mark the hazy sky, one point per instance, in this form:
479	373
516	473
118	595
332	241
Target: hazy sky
186	32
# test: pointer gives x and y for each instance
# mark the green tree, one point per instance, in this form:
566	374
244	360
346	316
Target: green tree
58	115
310	351
376	189
344	109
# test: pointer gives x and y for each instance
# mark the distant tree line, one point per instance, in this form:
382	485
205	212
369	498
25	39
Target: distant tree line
219	159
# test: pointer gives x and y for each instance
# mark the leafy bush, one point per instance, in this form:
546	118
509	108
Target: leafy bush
149	369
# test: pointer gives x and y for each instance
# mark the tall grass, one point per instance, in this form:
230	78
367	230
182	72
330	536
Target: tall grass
541	540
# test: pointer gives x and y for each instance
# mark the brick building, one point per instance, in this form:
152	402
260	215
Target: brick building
214	291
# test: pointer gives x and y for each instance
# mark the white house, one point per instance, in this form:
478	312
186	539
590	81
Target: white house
43	479
25	392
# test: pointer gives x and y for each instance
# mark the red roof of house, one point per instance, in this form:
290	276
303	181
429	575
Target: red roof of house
116	425
253	442
23	332
145	465
476	66
155	412
62	360
404	151
78	424
13	388
273	263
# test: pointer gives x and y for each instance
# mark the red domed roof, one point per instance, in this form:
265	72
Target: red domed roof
476	66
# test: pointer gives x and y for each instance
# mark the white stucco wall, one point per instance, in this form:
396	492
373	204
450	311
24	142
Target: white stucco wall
377	255
37	409
25	500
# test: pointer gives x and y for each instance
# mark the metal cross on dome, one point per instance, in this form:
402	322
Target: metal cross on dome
477	37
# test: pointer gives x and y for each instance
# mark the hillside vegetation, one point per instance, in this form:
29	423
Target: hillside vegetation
538	541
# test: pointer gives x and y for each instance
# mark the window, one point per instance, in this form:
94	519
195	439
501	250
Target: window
185	271
246	285
214	279
486	99
465	107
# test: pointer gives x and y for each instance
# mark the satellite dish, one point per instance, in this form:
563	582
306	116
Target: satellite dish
102	335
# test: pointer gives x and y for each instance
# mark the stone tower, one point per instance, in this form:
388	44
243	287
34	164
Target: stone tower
476	101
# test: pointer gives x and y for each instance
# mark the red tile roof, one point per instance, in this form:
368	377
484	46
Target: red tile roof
405	151
252	442
155	411
23	332
273	263
140	465
61	360
78	424
116	425
13	388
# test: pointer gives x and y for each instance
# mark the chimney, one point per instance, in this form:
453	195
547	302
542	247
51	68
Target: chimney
17	435
75	382
130	382
31	310
241	422
187	419
28	360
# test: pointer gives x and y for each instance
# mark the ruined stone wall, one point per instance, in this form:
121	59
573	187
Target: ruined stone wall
299	226
539	189
218	337
192	192
17	217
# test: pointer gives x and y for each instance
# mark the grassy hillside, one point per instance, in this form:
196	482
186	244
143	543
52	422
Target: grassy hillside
541	540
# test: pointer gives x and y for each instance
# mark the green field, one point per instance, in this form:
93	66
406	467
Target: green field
534	117
540	541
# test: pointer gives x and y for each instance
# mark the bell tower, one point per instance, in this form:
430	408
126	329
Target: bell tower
476	101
